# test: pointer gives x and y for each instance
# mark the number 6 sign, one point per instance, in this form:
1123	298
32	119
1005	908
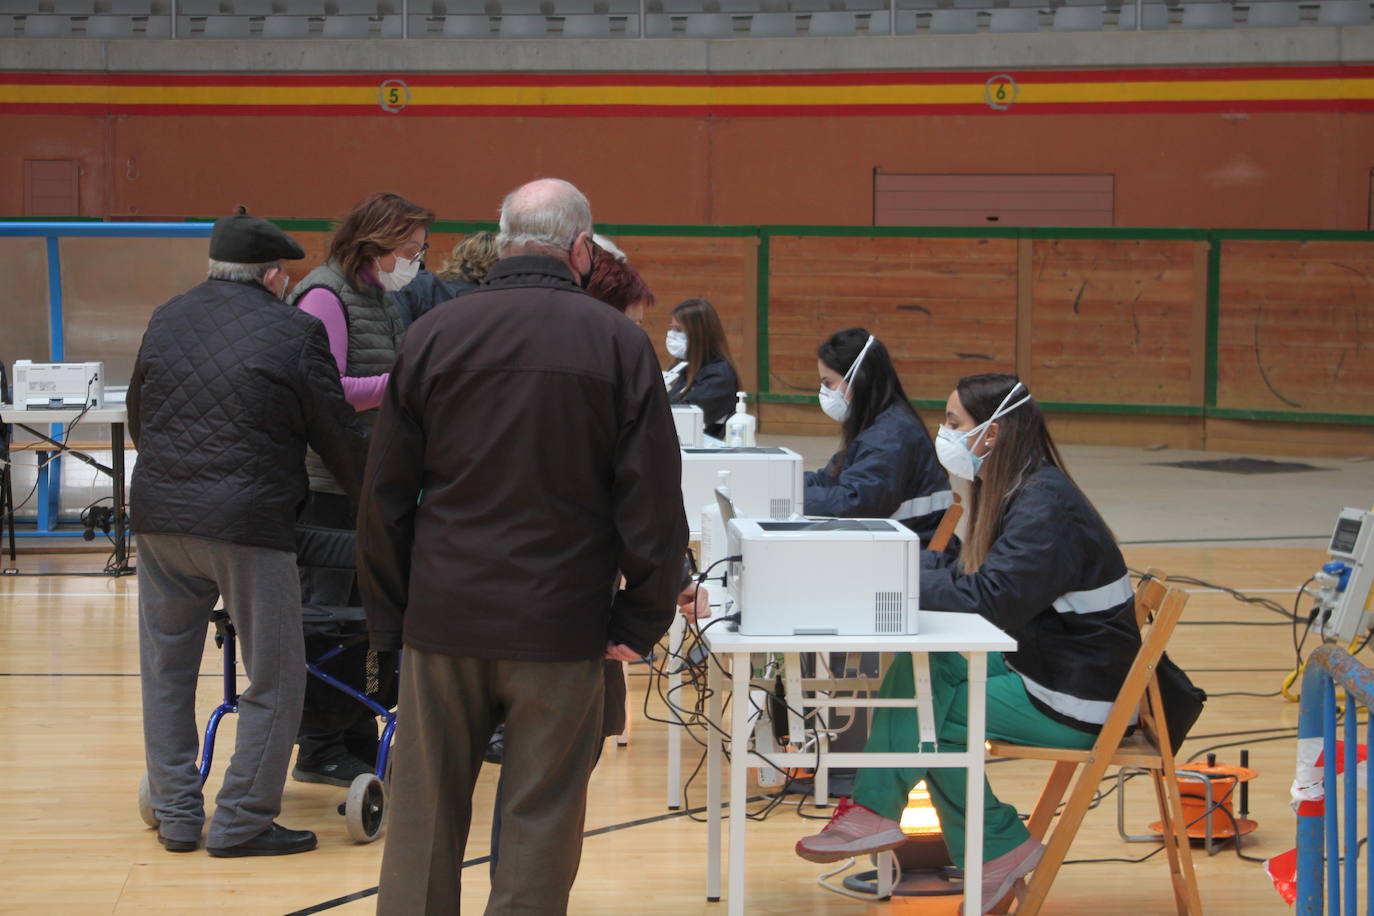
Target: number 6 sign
1000	92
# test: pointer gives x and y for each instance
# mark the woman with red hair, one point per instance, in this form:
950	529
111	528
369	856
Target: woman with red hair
620	286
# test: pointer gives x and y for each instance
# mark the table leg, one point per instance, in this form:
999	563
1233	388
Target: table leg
792	691
973	849
823	720
739	778
715	682
925	702
121	518
7	516
674	663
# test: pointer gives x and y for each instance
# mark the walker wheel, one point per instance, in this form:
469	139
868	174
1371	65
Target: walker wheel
365	808
145	802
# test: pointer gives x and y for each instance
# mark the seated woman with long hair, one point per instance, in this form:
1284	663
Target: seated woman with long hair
886	466
1041	564
705	375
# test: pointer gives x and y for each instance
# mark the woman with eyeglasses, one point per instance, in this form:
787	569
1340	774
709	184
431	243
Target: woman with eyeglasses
377	248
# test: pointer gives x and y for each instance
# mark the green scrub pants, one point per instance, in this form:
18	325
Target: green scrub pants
1010	717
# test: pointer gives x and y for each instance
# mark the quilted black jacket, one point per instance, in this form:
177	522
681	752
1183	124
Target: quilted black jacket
230	385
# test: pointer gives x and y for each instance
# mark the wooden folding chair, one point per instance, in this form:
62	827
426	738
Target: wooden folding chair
940	539
1158	609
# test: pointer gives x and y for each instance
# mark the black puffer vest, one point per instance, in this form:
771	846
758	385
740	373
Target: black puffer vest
375	331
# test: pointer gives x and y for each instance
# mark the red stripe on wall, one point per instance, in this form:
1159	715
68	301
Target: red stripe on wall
693	111
689	79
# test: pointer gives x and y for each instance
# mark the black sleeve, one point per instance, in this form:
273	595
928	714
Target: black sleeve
870	485
713	391
133	399
646	507
386	514
331	424
1034	560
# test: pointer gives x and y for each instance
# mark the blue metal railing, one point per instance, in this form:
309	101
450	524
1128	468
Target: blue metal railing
49	484
1321	854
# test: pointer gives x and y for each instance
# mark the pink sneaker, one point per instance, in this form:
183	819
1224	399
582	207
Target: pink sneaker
1002	873
853	831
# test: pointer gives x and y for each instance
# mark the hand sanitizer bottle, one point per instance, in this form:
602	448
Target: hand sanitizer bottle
739	429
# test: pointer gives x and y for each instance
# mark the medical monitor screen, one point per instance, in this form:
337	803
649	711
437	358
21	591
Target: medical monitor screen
1347	533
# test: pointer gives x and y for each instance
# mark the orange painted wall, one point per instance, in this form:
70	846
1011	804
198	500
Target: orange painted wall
1300	171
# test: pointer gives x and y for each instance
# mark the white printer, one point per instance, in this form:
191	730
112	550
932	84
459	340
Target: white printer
765	481
59	386
841	577
691	425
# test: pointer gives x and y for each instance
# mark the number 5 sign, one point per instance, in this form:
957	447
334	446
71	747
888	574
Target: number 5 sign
393	96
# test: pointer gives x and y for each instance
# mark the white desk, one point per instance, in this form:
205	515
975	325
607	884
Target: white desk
940	632
116	417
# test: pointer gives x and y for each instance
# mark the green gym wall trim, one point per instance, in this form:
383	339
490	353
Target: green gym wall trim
765	233
761	301
1135	410
1213	319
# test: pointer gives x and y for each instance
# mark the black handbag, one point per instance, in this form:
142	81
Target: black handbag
1182	701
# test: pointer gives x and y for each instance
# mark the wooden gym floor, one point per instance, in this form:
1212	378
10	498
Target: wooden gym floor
71	840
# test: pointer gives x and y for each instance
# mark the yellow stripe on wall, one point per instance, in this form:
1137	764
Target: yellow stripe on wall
698	96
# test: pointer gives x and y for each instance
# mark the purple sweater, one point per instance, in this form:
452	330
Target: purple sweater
364	392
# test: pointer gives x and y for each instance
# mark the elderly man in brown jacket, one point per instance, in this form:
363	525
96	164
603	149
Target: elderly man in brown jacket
524	456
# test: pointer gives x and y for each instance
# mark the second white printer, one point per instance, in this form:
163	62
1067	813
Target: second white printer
765	481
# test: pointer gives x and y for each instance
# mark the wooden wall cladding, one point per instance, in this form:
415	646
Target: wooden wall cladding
110	288
1296	326
24	264
723	270
945	308
1111	321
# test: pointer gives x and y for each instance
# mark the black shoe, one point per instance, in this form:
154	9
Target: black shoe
172	845
496	747
338	769
274	841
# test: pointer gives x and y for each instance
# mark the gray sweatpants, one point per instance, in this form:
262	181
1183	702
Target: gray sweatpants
180	579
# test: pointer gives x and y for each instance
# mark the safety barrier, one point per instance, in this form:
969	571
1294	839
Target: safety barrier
1328	864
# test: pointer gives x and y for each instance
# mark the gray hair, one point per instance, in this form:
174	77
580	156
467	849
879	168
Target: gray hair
239	273
546	216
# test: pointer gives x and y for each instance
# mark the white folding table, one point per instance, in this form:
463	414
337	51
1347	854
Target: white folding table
939	632
116	417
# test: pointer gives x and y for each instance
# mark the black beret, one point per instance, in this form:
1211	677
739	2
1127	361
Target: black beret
244	239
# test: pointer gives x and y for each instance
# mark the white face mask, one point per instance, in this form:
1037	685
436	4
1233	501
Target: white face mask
676	343
836	403
399	278
954	449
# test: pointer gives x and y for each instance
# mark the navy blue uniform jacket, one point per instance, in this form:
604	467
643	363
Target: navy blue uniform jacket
1055	580
890	471
713	391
